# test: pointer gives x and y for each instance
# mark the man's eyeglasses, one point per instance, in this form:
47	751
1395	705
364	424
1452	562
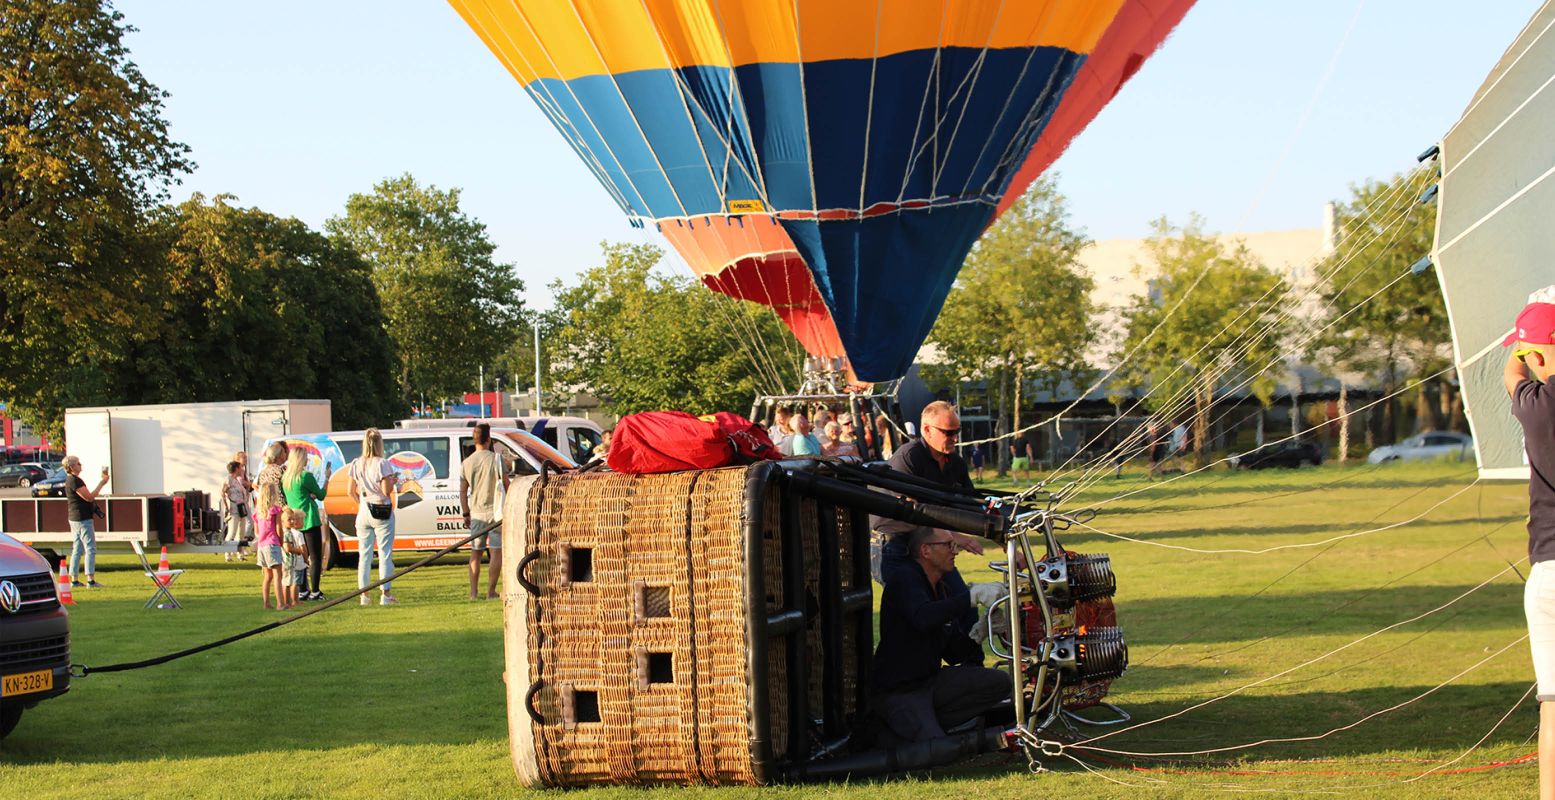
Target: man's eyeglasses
1523	354
947	543
954	433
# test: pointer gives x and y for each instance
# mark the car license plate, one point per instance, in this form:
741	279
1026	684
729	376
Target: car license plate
27	683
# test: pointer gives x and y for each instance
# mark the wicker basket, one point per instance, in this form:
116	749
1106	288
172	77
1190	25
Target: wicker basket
704	627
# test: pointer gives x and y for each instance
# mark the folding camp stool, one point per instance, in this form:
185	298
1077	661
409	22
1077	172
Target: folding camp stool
162	588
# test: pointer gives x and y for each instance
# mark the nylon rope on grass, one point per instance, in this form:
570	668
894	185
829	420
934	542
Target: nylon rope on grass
1289	739
1244	599
1438	770
81	670
1352	601
1289	670
1276	548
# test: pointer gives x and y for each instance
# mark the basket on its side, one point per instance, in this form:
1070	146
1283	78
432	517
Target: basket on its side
707	627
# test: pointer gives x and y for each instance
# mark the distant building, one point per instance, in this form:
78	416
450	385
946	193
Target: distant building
1116	266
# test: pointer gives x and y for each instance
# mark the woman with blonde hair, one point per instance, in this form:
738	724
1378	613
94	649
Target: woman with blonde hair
304	494
372	483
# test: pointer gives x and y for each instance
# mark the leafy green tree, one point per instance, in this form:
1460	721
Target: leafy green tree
1189	334
1021	308
84	154
644	341
449	306
1387	322
253	305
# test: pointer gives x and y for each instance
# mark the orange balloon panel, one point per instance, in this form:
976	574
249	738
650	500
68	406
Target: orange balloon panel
814	329
751	258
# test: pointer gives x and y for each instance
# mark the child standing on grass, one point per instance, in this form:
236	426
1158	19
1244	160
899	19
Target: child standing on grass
1527	375
294	556
267	542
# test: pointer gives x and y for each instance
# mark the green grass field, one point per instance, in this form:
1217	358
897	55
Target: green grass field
408	701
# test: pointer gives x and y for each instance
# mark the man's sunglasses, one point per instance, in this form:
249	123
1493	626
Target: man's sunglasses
952	432
1523	354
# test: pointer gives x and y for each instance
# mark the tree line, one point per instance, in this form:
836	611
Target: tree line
1213	320
112	295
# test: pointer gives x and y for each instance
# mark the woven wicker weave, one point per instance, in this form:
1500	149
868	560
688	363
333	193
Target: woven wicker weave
635	655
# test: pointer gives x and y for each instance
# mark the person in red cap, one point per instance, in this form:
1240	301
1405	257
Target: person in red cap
1527	375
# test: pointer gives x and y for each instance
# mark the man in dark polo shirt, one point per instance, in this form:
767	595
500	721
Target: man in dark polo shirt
914	694
1527	375
932	456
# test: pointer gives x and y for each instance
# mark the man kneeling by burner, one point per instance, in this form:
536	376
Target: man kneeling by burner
916	696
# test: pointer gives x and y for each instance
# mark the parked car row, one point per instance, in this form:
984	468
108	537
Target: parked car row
1425	447
23	475
1292	453
52	486
1301	453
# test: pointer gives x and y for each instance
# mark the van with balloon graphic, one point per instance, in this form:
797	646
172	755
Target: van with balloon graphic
426	465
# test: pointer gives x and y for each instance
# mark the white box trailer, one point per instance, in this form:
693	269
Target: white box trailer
153	451
161	449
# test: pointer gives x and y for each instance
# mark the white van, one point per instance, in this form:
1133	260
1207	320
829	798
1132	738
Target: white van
575	436
427	511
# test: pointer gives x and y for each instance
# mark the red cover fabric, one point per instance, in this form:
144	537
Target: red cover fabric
751	441
670	441
667	441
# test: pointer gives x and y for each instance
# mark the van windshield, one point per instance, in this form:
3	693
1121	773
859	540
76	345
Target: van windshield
540	451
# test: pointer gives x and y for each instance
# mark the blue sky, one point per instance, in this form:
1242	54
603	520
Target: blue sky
293	106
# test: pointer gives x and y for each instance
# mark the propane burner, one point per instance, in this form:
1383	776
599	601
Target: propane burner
1094	654
1071	578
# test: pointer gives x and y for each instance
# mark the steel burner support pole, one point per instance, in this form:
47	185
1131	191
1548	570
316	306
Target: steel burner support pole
1017	659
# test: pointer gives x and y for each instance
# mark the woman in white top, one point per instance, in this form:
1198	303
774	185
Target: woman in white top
373	484
833	445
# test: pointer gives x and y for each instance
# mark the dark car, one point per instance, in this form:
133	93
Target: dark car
23	475
34	634
1294	453
52	486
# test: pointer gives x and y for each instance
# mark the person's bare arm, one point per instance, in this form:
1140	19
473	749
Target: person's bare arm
967	542
1513	373
464	498
91	495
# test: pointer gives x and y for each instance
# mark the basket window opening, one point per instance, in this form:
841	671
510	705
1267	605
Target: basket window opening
585	706
656	601
580	564
661	668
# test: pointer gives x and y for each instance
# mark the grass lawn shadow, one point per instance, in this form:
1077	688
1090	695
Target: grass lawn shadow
291	692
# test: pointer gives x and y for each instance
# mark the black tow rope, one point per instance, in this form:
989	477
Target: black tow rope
81	670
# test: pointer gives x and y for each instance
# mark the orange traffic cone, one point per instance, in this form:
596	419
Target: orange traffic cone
65	597
164	573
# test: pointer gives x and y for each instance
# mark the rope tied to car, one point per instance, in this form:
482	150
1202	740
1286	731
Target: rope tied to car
82	670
